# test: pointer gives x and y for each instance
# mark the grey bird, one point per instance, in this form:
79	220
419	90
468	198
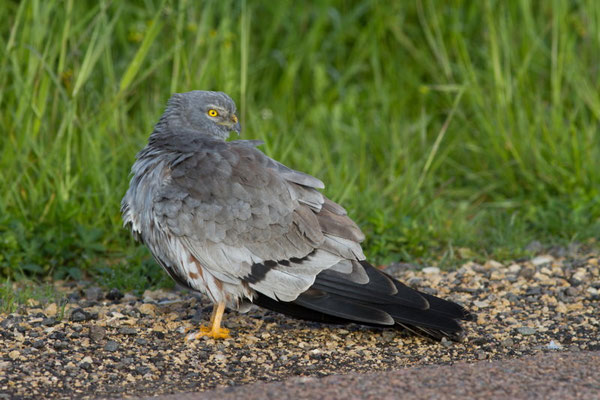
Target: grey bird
225	220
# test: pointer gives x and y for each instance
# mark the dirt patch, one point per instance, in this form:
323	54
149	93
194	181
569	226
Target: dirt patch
110	345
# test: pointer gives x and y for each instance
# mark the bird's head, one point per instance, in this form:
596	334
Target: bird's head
206	112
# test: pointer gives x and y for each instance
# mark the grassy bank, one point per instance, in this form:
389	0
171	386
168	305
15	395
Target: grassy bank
449	130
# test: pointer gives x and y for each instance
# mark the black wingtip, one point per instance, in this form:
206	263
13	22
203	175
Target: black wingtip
469	316
381	302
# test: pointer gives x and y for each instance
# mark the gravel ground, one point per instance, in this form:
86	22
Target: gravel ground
110	345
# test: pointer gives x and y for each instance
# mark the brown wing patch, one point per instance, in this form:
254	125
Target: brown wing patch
198	273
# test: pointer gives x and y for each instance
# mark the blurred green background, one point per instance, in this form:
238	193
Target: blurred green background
450	130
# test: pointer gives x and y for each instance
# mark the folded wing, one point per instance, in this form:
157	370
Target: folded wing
251	221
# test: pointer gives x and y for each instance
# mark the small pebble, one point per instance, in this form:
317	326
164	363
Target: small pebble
571	291
575	282
125	330
527	272
142	370
79	315
414	282
512	297
481	304
540	260
594	293
97	333
149	309
554	345
430	290
114	295
61	345
535	290
431	270
526	331
111	346
94	293
514	268
49	322
51	310
85	365
57	335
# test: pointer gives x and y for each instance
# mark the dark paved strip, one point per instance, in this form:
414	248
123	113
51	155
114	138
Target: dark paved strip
543	376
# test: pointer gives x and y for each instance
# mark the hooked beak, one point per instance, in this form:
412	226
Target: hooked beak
232	124
236	126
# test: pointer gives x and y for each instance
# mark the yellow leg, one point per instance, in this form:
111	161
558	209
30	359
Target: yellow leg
214	330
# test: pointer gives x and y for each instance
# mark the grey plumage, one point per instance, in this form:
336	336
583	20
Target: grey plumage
224	219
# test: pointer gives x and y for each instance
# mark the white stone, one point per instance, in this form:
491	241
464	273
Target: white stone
481	304
492	264
431	270
554	345
514	268
539	260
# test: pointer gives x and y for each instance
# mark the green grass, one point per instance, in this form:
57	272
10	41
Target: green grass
441	126
13	295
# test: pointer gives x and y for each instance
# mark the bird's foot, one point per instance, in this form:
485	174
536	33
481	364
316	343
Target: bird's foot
206	331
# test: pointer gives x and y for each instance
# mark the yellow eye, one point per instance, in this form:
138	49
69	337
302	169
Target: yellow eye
213	113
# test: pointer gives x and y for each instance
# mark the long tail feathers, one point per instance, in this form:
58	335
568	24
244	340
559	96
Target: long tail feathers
383	301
